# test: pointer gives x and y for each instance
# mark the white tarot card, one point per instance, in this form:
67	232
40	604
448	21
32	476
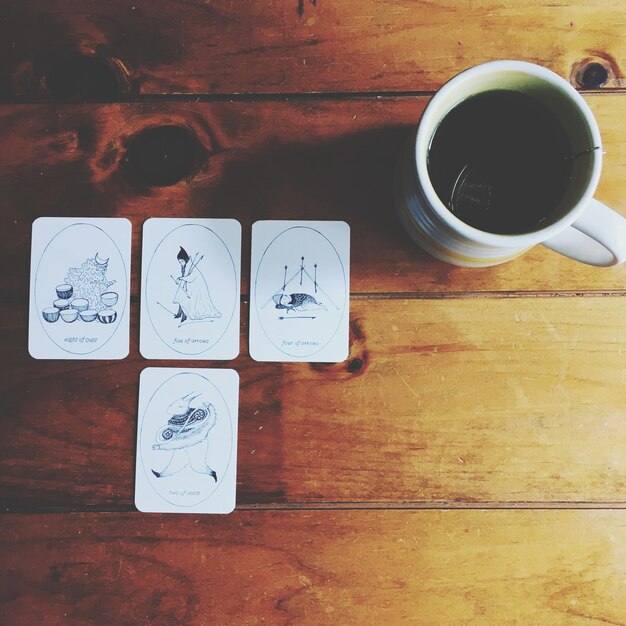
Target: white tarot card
300	291
79	288
187	440
190	289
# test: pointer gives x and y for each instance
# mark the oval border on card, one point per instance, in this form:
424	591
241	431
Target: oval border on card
232	313
140	439
346	295
126	291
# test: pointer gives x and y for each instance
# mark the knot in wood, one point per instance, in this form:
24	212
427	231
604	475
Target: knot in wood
354	365
163	155
592	75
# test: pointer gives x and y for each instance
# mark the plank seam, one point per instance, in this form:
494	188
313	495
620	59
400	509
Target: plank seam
452	295
458	295
254	97
442	505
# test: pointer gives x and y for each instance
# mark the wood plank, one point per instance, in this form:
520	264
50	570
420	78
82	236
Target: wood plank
344	567
299	159
292	46
479	400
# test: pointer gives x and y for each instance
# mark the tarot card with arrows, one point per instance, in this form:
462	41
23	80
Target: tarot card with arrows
187	440
190	289
299	291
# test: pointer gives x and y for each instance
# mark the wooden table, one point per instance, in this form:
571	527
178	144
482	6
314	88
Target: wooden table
465	465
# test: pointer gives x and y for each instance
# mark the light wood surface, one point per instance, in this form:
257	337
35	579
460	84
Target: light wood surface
449	401
553	568
298	45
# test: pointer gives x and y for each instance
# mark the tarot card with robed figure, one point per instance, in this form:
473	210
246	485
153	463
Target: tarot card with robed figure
190	289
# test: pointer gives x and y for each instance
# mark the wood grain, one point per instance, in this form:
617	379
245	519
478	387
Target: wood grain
342	567
299	159
459	392
293	45
440	401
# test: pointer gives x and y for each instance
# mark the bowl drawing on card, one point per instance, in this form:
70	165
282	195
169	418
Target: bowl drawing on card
80	262
50	314
69	315
109	299
185	439
300	291
80	304
64	292
191	289
61	304
108	316
89	315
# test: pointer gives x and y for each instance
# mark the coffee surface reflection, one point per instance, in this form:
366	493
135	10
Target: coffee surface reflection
501	162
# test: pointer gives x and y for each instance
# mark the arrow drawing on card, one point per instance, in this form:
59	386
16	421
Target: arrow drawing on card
298	317
300	301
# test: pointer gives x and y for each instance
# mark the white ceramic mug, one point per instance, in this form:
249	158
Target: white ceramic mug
581	227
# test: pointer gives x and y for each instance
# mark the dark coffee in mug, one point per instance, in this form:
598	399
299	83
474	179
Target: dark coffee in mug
501	162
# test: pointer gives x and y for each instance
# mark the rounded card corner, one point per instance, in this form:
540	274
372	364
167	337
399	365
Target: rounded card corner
145	355
139	506
32	354
254	357
146	371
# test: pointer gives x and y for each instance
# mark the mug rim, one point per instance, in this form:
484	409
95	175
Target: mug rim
428	124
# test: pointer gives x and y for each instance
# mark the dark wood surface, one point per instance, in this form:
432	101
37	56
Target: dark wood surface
455	469
69	48
298	159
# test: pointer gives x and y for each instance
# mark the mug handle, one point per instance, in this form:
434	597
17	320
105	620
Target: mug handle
597	237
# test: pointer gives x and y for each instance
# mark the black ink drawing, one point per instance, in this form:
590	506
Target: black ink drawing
85	294
300	302
186	436
191	292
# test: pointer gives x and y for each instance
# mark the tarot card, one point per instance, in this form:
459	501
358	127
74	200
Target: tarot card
299	291
79	288
187	440
190	289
